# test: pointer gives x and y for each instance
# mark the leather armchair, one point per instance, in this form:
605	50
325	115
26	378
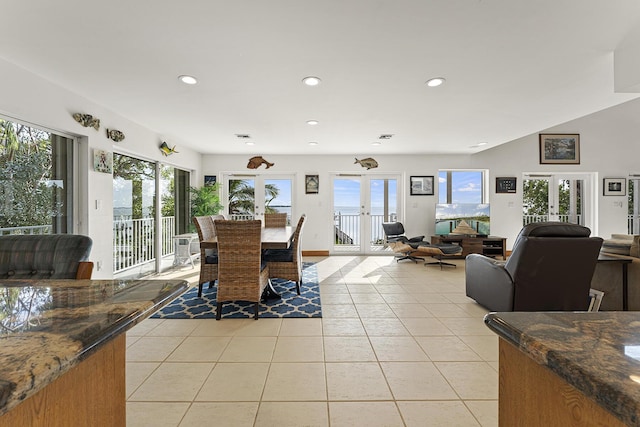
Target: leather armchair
550	269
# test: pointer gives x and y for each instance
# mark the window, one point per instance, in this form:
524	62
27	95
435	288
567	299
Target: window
462	186
36	180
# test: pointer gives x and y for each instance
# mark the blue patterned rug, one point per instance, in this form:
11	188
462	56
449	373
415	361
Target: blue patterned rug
307	304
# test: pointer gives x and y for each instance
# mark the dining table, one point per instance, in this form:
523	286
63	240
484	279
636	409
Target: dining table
270	238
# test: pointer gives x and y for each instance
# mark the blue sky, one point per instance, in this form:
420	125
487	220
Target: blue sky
467	187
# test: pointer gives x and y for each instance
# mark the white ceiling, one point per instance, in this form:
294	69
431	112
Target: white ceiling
513	67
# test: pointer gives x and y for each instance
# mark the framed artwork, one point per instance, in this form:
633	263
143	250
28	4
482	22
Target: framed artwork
559	149
311	183
615	186
102	161
506	185
421	185
209	180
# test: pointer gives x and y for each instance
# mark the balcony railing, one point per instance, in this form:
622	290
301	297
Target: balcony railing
133	241
347	229
31	229
528	219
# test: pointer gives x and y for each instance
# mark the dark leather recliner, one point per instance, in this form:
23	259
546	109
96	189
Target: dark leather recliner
550	269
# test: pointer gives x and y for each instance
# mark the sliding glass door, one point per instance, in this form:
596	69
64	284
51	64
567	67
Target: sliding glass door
142	189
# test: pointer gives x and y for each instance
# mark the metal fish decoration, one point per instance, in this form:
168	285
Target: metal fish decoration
368	163
87	120
257	161
166	150
115	135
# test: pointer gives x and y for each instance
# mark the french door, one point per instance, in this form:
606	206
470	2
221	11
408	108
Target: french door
251	196
560	197
361	203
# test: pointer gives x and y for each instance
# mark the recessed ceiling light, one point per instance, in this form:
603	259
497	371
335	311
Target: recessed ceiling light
311	81
482	143
313	143
436	81
250	143
312	122
376	143
188	80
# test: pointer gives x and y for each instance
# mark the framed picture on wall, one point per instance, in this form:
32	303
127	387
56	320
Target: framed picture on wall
311	184
421	185
615	186
210	180
506	184
559	149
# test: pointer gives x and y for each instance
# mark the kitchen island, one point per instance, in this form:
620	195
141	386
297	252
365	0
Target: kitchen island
564	368
62	347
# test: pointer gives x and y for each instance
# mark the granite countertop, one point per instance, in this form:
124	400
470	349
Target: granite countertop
598	353
49	326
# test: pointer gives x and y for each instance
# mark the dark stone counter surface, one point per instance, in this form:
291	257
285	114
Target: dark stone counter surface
598	353
49	326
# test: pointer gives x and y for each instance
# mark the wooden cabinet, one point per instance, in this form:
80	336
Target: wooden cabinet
492	246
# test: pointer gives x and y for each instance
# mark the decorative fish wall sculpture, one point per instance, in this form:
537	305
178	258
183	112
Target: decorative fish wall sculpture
166	150
368	163
115	135
87	120
257	161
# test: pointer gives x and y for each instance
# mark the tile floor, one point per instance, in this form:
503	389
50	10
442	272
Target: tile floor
399	344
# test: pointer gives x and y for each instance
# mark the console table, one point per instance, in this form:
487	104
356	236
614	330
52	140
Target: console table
489	246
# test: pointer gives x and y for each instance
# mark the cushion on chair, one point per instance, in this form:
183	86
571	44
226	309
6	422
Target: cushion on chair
555	229
448	249
416	239
211	259
278	255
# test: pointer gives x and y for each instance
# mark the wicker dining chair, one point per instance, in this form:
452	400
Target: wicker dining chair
287	263
242	276
208	257
277	219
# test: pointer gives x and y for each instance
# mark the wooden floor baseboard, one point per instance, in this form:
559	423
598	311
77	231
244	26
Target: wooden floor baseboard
315	253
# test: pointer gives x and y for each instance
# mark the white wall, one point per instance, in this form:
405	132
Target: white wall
419	212
29	98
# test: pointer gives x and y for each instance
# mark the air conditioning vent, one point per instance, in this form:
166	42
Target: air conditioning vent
385	136
243	136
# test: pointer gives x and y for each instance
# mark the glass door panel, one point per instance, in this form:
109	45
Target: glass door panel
134	194
383	205
278	196
241	196
360	205
346	213
559	197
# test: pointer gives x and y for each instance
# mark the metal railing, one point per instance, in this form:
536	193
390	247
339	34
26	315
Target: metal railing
133	241
528	219
347	229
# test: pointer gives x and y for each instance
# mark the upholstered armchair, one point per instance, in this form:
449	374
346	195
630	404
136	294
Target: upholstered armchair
550	269
46	256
